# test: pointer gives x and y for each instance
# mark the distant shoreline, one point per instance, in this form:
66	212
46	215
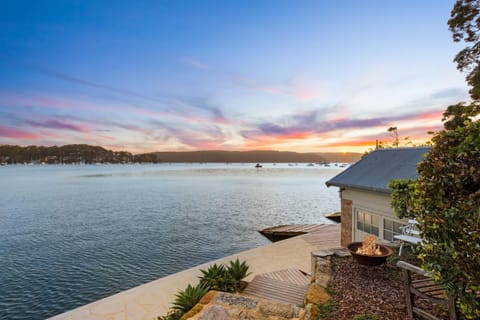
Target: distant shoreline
290	164
87	154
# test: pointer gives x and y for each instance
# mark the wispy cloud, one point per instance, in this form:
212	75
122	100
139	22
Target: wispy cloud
195	63
257	86
51	72
448	93
304	91
12	133
314	121
57	124
315	129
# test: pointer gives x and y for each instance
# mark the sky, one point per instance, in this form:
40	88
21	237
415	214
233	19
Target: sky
304	76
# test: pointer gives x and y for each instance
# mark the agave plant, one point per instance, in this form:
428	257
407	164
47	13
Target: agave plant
238	270
188	298
217	277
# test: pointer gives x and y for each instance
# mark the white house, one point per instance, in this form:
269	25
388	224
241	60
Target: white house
365	195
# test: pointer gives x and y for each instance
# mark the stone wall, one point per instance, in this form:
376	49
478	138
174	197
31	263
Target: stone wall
346	227
228	306
318	291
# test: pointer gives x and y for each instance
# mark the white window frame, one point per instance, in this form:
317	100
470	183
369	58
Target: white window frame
381	223
395	231
360	232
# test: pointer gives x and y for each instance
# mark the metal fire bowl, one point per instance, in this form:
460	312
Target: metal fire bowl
369	260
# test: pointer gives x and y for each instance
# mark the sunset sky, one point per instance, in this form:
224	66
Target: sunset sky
305	76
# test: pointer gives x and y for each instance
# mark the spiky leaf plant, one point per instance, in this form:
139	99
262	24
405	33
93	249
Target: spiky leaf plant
238	270
188	298
217	277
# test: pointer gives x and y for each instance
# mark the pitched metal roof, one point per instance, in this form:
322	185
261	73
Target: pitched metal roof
375	171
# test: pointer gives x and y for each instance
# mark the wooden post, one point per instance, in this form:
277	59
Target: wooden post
452	306
408	294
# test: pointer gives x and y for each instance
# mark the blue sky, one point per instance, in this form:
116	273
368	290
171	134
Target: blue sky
302	76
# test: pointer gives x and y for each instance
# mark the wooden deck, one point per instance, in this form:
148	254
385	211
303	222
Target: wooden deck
324	236
335	216
289	275
288	285
291	230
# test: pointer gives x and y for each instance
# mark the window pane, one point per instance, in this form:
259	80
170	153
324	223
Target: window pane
368	218
388	224
360	216
375	231
387	235
367	228
397	226
360	225
375	221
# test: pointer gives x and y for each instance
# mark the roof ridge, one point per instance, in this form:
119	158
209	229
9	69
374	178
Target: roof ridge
402	148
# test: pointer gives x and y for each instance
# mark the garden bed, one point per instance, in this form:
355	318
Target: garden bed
358	289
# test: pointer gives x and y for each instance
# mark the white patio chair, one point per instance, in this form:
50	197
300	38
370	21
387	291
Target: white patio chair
409	234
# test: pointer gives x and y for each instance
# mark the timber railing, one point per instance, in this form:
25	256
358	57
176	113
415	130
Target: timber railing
423	286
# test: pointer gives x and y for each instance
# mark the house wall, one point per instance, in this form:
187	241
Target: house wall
375	203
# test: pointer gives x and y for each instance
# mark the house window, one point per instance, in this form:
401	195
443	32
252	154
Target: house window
367	222
391	228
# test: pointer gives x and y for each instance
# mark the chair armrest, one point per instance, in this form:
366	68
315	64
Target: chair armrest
411	267
409	239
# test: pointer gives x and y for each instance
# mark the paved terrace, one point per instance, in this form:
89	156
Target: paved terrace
153	299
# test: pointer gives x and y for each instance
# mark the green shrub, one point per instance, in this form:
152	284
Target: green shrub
326	309
366	316
188	298
238	270
222	278
217	277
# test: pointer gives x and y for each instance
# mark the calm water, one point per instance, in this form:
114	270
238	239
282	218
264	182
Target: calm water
70	235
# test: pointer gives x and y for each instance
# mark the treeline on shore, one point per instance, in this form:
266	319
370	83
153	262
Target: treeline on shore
83	153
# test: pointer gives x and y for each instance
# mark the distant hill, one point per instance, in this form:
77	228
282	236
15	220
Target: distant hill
82	153
348	157
254	156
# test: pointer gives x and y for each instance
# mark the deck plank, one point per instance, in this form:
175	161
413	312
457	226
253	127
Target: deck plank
315	234
274	289
294	276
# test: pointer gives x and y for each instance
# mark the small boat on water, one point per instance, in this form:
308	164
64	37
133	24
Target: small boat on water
258	165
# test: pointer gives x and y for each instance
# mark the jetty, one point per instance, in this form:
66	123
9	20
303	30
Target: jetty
283	232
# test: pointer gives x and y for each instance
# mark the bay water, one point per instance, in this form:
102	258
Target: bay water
73	234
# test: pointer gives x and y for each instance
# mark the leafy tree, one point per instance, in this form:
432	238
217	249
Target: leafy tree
445	198
465	26
394	132
402	197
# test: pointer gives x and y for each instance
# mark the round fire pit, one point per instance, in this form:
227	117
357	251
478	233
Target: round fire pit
369	260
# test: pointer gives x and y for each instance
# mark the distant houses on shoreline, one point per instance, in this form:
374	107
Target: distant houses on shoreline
87	154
